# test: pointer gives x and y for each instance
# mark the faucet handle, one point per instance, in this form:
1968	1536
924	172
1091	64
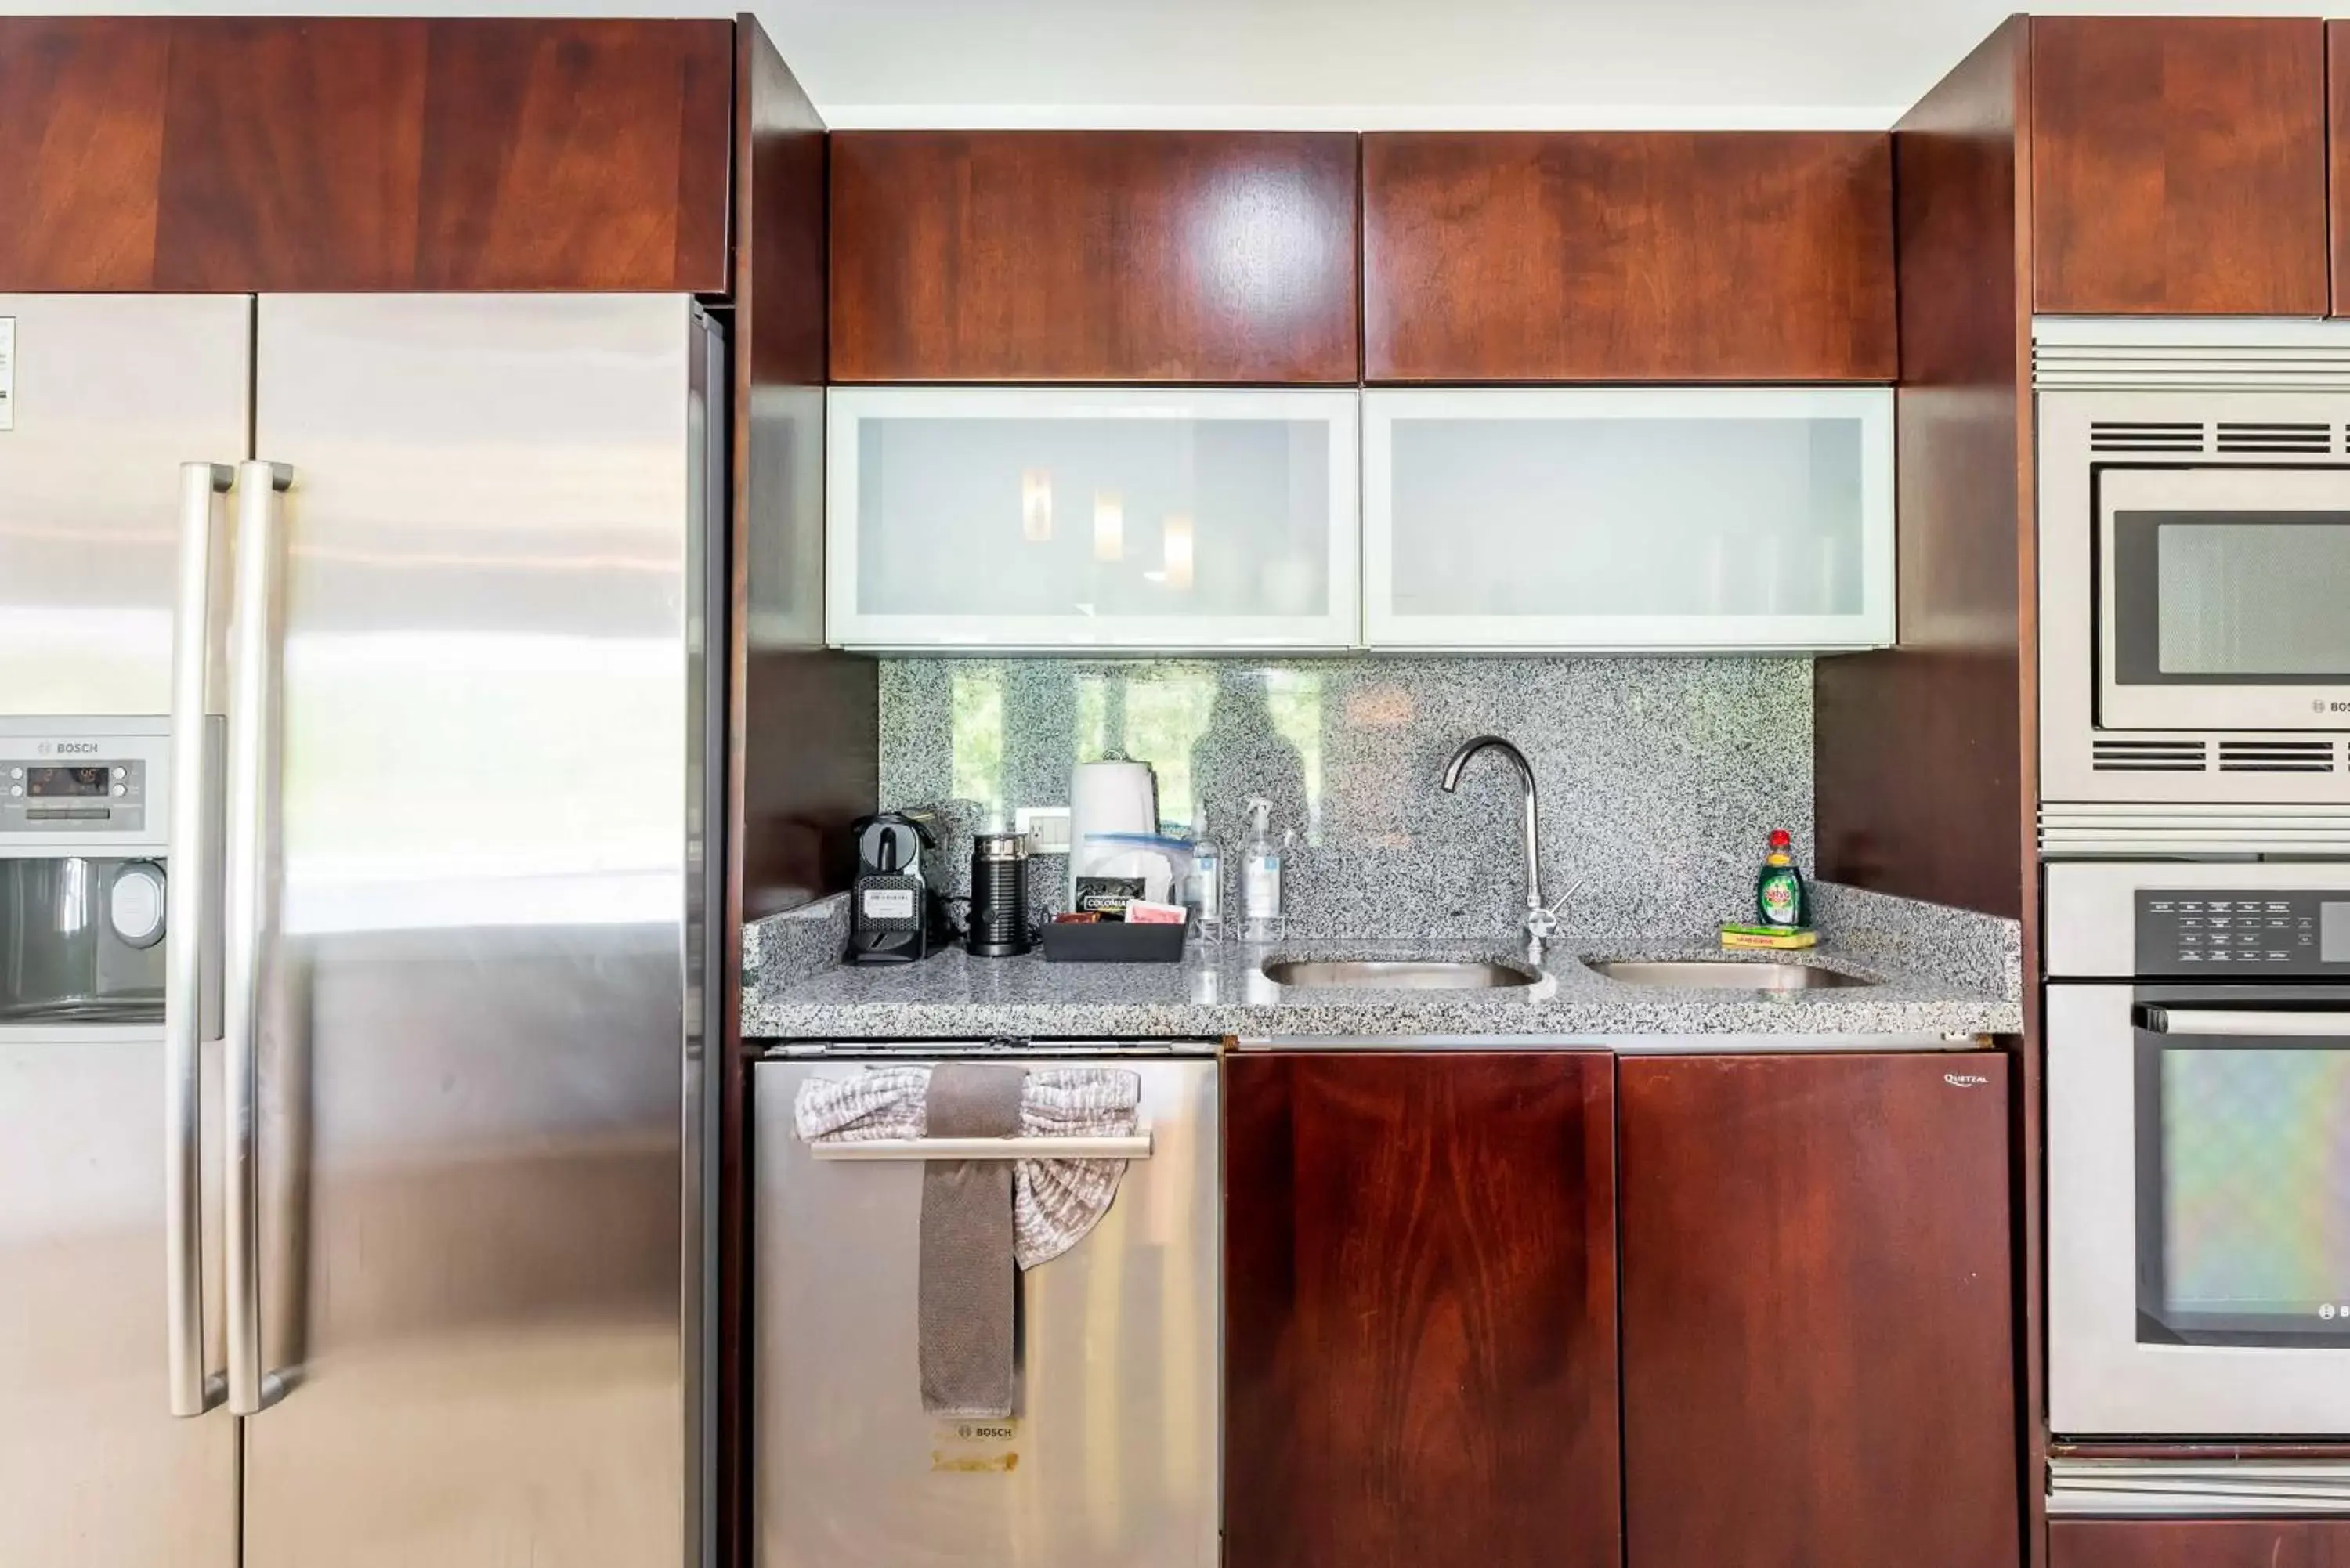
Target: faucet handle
1541	929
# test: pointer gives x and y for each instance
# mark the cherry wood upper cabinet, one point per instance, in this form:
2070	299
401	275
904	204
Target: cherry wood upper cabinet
1420	1337
1601	257
2199	1544
2337	161
293	155
81	142
246	154
1818	1352
2179	165
576	155
1200	257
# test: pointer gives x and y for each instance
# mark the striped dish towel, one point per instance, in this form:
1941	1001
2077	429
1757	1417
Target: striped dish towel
1054	1201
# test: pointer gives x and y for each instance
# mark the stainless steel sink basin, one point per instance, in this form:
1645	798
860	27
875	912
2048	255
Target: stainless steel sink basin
1396	974
1726	974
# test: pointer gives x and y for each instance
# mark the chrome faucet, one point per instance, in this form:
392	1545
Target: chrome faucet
1541	922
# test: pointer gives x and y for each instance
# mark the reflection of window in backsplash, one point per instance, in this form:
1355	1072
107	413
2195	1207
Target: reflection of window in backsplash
976	746
1158	713
1293	698
1093	715
1660	775
1164	721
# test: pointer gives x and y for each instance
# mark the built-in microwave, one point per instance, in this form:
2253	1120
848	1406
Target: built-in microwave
2194	563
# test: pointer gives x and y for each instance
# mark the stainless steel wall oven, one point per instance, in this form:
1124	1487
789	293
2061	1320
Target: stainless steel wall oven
2198	1029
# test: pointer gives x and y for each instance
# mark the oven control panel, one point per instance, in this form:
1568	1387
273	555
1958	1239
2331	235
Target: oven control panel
2273	931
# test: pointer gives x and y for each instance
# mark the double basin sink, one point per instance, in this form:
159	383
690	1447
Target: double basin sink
1415	974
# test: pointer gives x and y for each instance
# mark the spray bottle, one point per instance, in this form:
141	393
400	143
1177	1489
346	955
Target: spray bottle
1260	918
1204	890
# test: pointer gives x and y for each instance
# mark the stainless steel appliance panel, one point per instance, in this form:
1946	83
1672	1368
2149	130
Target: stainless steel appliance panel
94	1472
2194	503
2219	597
2198	1149
1110	1461
2092	925
709	596
113	392
475	826
2107	1373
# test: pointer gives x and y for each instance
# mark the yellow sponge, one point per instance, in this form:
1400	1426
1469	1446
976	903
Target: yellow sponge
1775	938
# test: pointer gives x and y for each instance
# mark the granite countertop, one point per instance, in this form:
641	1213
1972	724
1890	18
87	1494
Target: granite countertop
1933	981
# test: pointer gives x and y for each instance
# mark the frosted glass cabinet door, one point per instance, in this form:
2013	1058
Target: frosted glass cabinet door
1017	518
1629	518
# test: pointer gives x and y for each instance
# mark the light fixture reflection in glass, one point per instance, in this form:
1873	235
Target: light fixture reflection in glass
1176	533
1036	506
1109	527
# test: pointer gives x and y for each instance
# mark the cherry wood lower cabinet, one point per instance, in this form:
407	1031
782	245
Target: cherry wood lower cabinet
1420	1336
2199	1544
1818	1362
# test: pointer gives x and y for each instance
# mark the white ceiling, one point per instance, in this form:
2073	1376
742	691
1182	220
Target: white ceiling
1349	63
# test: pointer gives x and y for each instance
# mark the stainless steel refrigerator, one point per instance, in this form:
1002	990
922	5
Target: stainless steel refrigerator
402	1263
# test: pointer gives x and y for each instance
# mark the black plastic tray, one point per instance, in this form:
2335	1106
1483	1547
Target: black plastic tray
1114	941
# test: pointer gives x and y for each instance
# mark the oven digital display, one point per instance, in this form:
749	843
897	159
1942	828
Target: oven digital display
2334	933
67	783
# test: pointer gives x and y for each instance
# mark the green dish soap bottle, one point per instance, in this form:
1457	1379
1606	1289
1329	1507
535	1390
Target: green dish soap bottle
1780	900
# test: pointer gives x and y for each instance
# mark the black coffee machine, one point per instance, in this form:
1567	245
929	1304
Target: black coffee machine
892	907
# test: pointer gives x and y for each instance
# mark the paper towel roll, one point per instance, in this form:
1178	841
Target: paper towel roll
1109	797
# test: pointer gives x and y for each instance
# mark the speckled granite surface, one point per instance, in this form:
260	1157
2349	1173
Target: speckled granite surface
1979	952
1660	777
785	949
1927	988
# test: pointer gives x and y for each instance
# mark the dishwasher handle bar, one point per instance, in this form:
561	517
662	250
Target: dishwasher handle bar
1136	1146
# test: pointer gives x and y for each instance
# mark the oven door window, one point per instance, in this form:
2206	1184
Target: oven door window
2223	595
2243	1190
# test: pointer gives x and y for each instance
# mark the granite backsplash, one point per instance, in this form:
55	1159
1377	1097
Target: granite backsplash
1660	777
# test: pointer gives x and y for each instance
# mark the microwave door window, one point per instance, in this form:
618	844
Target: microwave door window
2222	598
2243	1183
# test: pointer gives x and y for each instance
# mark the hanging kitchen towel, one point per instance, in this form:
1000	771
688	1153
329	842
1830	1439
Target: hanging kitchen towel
1056	1201
879	1102
963	1333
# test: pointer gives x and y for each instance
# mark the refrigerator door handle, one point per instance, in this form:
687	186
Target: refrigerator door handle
193	1389
252	744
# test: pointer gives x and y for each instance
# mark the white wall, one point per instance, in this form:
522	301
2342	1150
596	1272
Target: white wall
1344	64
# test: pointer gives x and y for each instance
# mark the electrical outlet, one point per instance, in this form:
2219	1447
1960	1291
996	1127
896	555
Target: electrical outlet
1047	827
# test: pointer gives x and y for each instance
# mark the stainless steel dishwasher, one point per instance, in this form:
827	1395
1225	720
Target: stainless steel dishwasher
1110	1460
